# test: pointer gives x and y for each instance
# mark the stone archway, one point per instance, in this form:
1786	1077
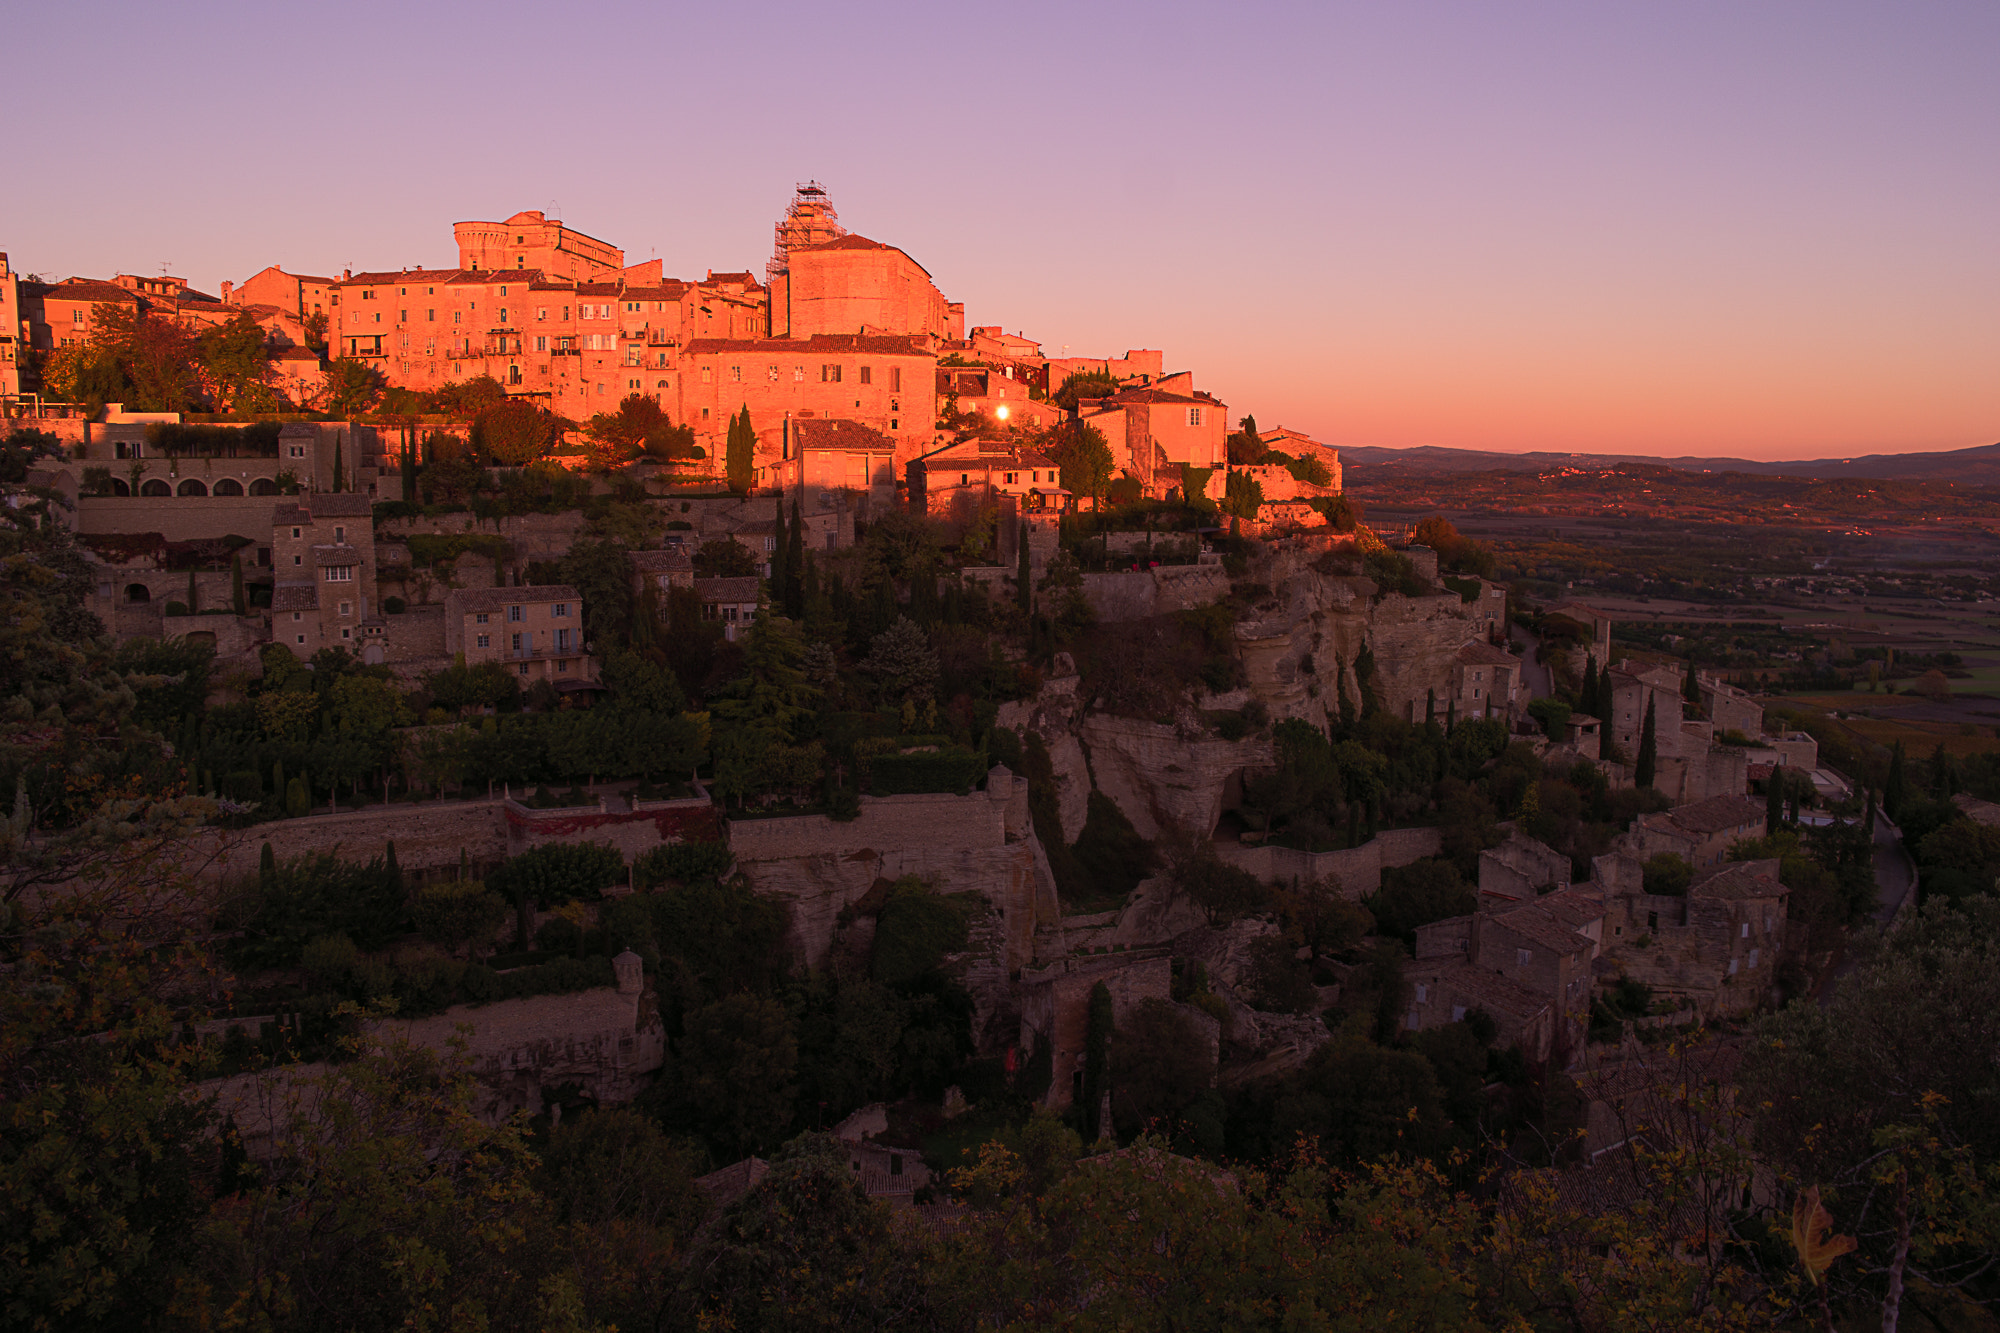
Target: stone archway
138	592
156	487
228	486
192	486
263	486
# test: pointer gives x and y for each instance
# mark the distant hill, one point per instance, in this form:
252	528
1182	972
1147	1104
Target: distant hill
1979	466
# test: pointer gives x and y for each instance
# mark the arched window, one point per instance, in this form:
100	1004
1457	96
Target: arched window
156	487
228	486
138	592
263	486
192	486
120	488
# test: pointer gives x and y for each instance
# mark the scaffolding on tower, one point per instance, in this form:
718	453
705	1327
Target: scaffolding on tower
808	220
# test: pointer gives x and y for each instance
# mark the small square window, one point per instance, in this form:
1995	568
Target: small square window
1522	957
514	614
479	618
302	638
486	641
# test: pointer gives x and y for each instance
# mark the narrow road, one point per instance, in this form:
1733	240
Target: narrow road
1895	873
1895	883
1535	675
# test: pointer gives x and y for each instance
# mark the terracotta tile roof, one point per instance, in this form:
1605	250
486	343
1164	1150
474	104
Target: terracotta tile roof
291	514
599	288
1488	990
295	354
327	504
1124	396
335	556
834	433
295	597
1477	652
854	344
738	590
400	276
88	289
1739	880
734	1181
1531	921
1575	906
747	278
1717	813
670	292
498	599
660	562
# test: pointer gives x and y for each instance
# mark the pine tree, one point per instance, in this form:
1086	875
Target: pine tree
1895	791
1643	772
1774	802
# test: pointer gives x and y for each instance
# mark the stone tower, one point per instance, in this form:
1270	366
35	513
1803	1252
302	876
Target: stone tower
808	220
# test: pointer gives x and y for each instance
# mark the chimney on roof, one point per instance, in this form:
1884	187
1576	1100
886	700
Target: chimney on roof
227	287
346	273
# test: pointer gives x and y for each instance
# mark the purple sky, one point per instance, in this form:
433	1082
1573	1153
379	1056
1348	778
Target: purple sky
1763	229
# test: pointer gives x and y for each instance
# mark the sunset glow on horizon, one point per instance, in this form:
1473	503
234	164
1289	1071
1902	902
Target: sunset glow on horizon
1693	229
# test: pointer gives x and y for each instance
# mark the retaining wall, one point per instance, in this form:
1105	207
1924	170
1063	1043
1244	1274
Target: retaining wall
1359	869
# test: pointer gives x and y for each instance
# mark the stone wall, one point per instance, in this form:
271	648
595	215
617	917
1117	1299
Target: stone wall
428	836
633	827
935	821
1358	869
1137	594
606	1043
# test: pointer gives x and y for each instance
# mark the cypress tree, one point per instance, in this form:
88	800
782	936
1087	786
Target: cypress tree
1097	1060
392	872
795	565
739	459
278	779
1868	816
1691	686
267	865
194	593
779	550
1430	706
1895	791
1024	590
1606	700
1644	771
339	471
1450	716
409	472
1774	802
1587	701
236	598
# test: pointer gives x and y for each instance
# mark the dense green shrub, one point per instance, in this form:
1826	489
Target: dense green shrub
303	898
1110	849
917	927
559	872
682	863
949	768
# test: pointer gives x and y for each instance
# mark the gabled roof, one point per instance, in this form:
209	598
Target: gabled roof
833	433
1717	813
727	590
1477	652
1532	921
89	289
496	599
335	556
295	597
344	504
660	562
394	276
1489	990
1739	880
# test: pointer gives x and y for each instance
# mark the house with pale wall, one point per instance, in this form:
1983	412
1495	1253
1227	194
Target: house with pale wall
535	631
1717	946
323	575
1154	430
